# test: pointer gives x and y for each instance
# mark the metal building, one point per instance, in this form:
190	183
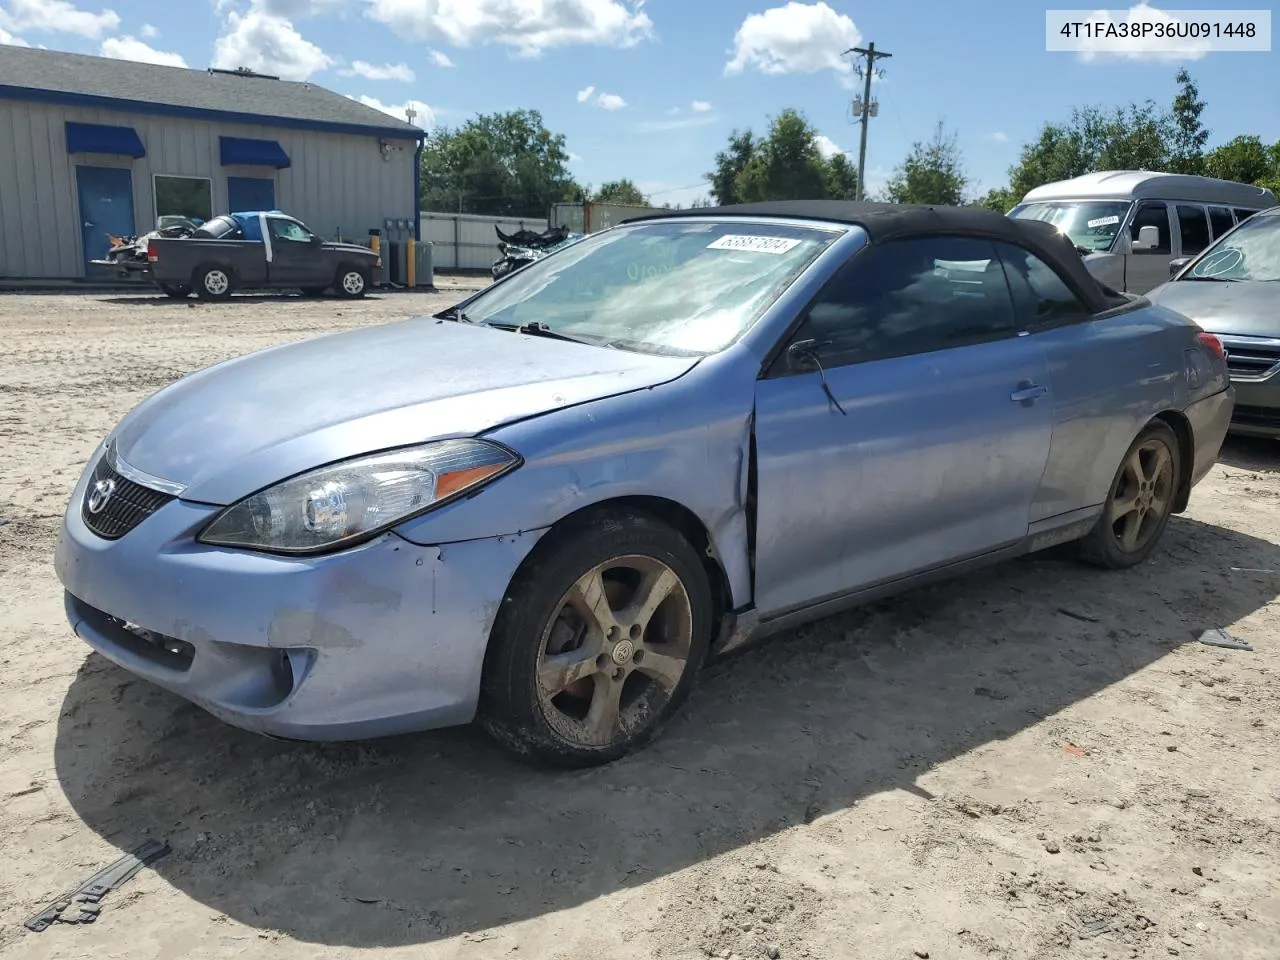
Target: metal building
91	146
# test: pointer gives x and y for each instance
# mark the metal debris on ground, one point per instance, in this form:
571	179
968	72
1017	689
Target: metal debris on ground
1217	637
87	898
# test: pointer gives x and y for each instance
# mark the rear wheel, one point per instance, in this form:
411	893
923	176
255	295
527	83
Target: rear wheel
353	282
213	283
1140	502
598	641
176	291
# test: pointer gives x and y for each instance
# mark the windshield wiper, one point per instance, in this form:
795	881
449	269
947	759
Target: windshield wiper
454	313
1214	279
539	329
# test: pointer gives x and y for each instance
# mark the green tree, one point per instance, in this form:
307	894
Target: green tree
932	173
506	164
842	179
729	165
621	191
1245	159
1189	134
1001	200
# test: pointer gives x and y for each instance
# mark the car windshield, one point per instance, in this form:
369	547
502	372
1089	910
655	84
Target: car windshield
680	287
1250	252
1091	224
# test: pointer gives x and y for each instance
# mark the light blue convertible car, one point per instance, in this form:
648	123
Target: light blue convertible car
548	506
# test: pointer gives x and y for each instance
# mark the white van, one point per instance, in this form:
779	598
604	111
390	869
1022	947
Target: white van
1128	224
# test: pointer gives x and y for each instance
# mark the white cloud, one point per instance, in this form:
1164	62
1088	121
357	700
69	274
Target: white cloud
1000	137
388	71
680	123
1142	49
530	26
574	158
149	32
292	9
796	38
673	112
585	94
56	16
425	117
129	48
828	147
610	101
7	39
440	58
701	106
267	43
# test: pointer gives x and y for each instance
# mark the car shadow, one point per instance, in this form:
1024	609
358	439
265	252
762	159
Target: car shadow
1250	453
406	841
160	300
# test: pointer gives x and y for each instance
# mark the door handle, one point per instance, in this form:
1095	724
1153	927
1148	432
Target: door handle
1028	392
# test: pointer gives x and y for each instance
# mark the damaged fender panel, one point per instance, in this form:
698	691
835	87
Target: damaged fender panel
687	443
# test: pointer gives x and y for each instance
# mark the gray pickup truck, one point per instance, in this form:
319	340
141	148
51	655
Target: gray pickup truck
262	250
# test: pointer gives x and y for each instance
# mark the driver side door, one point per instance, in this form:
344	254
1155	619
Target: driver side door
916	437
294	258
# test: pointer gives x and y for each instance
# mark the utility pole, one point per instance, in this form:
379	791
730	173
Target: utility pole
865	106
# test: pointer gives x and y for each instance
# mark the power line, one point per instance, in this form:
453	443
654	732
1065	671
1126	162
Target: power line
866	107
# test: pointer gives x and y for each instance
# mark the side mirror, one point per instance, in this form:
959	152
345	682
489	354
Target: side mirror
1177	264
802	356
1148	239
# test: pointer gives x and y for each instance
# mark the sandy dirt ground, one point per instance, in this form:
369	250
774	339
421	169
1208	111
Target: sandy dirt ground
1035	762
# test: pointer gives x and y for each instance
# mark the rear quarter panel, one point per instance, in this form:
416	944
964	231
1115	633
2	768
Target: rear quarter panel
1110	377
179	259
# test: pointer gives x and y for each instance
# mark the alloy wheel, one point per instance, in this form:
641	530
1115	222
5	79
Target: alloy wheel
1143	496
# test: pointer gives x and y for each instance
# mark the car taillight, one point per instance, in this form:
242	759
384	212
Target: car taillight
152	253
1212	343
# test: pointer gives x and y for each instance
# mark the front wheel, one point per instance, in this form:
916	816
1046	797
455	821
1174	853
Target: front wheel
1139	503
598	641
353	282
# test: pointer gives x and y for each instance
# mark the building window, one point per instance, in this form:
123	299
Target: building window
190	197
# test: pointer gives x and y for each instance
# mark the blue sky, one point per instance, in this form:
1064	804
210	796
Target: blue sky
651	90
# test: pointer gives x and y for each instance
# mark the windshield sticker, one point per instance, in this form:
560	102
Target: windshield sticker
774	245
1102	222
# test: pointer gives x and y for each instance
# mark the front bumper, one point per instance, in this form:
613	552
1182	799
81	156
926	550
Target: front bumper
388	637
1254	365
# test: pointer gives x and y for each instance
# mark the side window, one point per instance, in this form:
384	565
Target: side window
1221	220
1040	296
908	297
289	230
1243	215
1153	214
1194	227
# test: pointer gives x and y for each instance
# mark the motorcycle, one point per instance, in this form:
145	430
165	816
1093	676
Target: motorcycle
524	247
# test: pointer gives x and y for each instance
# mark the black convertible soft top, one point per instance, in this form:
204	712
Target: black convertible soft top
891	221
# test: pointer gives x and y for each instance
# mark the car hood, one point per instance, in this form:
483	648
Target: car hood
236	427
1244	308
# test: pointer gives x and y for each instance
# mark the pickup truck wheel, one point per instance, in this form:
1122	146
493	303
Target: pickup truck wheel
177	291
352	282
213	283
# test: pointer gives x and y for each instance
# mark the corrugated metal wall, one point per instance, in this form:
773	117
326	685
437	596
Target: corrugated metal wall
593	217
466	241
336	181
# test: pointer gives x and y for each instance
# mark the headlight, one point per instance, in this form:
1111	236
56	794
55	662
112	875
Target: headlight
354	500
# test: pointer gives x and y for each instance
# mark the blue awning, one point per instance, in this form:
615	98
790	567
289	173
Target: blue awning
239	152
99	138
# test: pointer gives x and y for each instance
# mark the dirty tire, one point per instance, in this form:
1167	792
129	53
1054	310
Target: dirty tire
353	282
538	615
179	291
1139	503
213	283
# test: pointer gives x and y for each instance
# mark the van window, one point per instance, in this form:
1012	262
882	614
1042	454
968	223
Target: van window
1242	214
1194	226
1092	224
1221	220
1153	213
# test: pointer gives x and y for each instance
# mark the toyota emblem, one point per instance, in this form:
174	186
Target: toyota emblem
100	494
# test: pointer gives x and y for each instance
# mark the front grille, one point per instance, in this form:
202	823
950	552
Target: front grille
126	503
1249	416
1252	360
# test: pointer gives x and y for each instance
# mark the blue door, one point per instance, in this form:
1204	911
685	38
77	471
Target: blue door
918	438
106	207
247	194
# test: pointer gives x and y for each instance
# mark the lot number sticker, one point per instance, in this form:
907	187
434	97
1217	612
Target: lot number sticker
1102	222
733	241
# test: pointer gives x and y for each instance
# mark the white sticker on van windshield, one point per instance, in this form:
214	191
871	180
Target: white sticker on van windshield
774	245
1102	222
